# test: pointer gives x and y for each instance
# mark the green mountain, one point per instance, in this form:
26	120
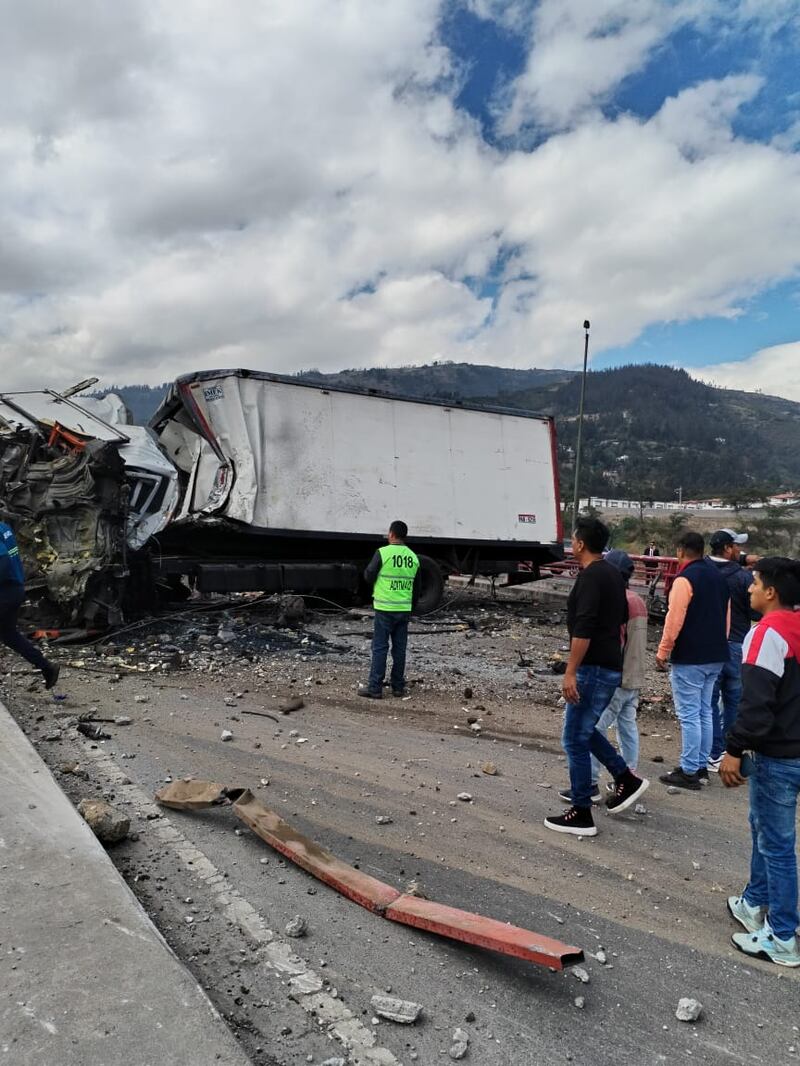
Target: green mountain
442	381
650	430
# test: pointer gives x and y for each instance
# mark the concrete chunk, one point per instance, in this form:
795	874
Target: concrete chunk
108	825
396	1010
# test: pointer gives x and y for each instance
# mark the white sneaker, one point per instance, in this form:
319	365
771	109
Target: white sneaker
765	945
752	918
713	765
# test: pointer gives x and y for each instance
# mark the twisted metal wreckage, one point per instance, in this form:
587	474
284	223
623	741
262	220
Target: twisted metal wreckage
82	488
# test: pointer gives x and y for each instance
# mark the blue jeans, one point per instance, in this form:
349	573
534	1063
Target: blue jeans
580	738
621	713
389	625
726	696
692	688
774	785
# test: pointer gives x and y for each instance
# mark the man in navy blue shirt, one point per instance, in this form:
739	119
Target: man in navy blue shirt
12	594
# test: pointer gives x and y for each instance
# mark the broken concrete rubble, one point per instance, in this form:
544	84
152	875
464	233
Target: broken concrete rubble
688	1010
108	825
402	1011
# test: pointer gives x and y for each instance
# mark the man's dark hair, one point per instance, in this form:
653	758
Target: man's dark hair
400	529
593	534
783	575
692	543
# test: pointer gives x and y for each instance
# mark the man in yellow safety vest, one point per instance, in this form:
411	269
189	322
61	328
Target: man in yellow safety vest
393	573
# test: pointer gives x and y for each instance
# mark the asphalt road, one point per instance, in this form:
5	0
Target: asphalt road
649	890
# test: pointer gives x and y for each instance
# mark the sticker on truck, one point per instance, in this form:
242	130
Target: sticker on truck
213	392
526	518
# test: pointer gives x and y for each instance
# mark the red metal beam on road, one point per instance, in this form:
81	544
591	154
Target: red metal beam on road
368	892
360	887
484	932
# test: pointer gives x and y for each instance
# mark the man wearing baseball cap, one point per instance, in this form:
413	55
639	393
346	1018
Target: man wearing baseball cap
727	556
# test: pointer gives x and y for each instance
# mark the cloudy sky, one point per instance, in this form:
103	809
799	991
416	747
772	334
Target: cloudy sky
284	184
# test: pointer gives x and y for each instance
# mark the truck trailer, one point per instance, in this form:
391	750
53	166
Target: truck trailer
289	485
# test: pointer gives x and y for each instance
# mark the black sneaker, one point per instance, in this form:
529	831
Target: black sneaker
628	789
565	795
577	821
702	774
680	779
368	694
398	693
50	674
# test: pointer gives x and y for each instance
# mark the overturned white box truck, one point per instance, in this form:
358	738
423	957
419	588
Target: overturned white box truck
278	484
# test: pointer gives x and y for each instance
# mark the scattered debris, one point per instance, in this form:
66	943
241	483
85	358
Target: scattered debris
297	927
467	693
396	1010
141	698
226	734
689	1010
580	1002
581	974
123	719
294	704
640	809
262	714
108	825
92	731
460	1044
465	797
601	957
657	758
489	768
383	819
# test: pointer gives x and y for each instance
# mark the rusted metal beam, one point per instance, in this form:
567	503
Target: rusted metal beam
483	932
368	892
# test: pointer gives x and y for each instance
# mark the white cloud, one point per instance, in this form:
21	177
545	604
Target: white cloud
775	371
581	51
291	184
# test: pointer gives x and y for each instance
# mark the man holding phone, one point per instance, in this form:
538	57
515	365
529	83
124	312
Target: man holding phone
768	725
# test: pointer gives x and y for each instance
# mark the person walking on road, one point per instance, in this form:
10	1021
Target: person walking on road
727	557
621	711
695	636
596	612
768	724
393	573
12	595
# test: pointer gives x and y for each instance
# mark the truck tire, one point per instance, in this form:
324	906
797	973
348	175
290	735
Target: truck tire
431	585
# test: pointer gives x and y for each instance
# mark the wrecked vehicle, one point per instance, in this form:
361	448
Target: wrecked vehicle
250	481
82	494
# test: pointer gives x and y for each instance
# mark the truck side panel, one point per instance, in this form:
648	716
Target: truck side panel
310	459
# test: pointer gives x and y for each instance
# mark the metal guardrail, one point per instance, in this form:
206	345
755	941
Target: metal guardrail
652	577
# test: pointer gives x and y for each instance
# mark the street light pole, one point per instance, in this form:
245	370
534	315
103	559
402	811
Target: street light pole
576	496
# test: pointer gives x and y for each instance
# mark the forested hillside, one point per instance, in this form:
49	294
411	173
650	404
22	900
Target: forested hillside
652	429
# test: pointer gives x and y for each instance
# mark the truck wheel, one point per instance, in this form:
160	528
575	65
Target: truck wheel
432	585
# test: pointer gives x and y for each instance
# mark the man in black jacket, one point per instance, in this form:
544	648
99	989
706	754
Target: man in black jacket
597	609
727	556
768	724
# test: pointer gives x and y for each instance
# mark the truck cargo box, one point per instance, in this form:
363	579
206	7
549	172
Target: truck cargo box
292	458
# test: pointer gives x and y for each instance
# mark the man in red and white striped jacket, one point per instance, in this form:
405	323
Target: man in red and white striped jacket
768	725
